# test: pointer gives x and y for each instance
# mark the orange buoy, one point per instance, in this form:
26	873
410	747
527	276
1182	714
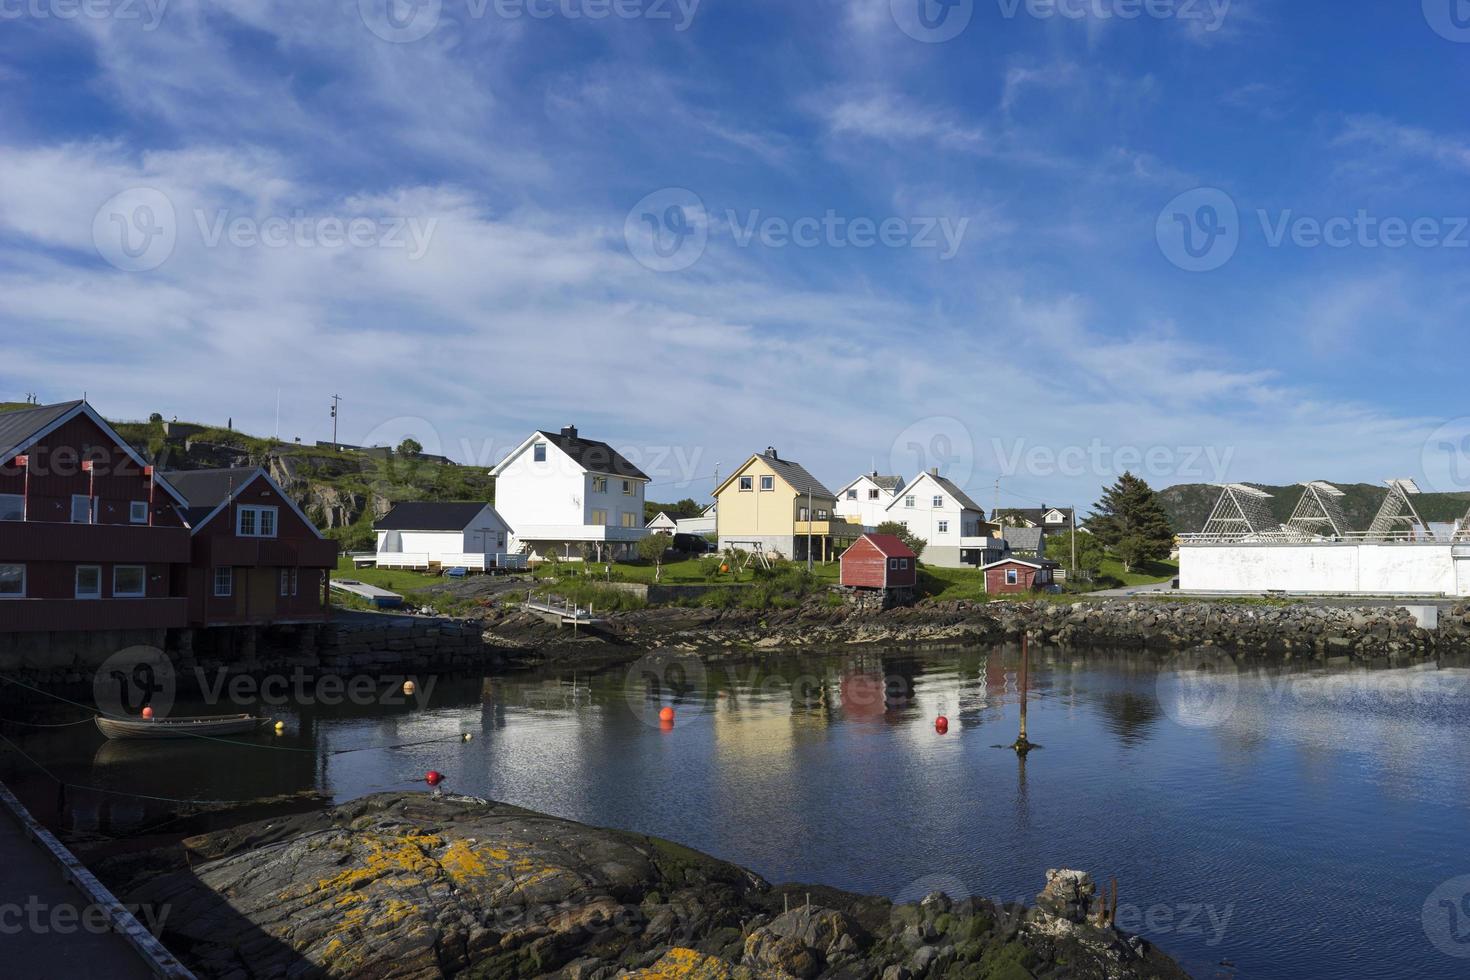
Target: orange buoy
148	714
667	714
941	725
433	777
409	688
724	569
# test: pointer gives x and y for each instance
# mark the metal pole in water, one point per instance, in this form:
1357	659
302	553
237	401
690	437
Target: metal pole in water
1023	744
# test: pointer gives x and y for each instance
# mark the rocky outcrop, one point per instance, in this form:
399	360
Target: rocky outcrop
412	886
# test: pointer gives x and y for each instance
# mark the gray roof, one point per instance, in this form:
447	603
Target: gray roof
886	482
1025	538
957	493
796	476
207	489
443	515
593	456
19	425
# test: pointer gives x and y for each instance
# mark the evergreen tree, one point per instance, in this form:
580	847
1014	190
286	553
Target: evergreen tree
1130	520
916	544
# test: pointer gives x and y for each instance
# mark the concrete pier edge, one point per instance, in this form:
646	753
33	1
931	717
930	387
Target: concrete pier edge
163	963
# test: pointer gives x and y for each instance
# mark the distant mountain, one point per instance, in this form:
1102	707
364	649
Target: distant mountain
1189	504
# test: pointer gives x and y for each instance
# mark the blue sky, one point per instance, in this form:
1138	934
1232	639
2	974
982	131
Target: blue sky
1029	312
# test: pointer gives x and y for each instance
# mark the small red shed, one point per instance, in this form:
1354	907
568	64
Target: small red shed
1012	575
879	561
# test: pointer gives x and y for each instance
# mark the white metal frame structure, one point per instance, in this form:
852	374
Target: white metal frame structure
1397	519
1319	513
1462	533
1241	514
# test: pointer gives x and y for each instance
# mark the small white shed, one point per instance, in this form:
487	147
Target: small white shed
450	534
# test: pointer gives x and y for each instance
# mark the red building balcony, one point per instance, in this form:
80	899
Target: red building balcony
27	541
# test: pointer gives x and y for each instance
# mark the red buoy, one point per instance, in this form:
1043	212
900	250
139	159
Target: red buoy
148	714
667	714
433	777
941	725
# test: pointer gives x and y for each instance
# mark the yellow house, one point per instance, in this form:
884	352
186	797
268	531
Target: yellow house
773	504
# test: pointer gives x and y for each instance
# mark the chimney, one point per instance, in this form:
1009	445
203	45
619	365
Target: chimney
771	452
934	471
569	431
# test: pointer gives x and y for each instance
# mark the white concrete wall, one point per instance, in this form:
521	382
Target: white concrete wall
1373	569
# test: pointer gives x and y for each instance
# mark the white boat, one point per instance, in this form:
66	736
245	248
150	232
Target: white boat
140	728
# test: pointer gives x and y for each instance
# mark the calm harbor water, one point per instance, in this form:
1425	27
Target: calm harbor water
1260	824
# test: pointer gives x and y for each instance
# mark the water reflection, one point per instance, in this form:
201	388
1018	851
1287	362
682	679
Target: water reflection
1317	806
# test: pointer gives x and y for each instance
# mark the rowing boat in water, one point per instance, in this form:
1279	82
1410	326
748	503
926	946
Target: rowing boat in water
138	728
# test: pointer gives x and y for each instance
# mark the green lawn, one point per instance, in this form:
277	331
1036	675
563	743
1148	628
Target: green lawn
1150	573
390	579
688	572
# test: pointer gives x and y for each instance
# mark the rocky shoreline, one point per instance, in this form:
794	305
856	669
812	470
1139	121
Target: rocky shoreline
415	886
1286	632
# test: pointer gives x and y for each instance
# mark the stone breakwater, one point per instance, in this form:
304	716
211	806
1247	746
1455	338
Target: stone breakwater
1300	631
412	886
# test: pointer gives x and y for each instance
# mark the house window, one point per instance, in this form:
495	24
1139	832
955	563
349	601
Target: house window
224	582
903	563
627	488
89	582
599	484
768	483
944	527
12	507
908	501
255	522
295	579
285	581
938	503
599	517
873	495
81	509
1013	577
500	539
893	564
628	521
821	514
538	452
747	484
138	511
129	582
12	581
852	495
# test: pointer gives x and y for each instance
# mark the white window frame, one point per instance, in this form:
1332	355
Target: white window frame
909	501
938	502
538	452
228	580
22	593
77	582
91	508
20	499
627	488
874	495
1013	576
295	581
768	483
903	564
256	512
285	578
628	519
599	484
893	564
137	511
852	495
747	484
944	527
596	512
142	571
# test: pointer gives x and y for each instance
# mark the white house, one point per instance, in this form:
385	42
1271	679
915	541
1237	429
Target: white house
865	500
561	493
662	524
933	508
702	525
448	534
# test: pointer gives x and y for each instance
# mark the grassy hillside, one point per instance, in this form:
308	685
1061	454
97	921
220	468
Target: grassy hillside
1189	505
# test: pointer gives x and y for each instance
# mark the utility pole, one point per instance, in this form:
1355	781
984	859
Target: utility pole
335	400
1073	535
808	529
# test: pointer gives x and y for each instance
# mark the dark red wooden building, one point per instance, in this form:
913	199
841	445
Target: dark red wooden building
255	558
1015	575
89	534
879	561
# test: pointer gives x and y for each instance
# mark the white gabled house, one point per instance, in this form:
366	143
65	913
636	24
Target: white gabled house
702	525
560	493
935	509
663	524
865	500
448	534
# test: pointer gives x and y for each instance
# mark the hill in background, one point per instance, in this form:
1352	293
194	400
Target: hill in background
1188	505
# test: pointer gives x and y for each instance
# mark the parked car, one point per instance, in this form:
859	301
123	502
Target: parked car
690	544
